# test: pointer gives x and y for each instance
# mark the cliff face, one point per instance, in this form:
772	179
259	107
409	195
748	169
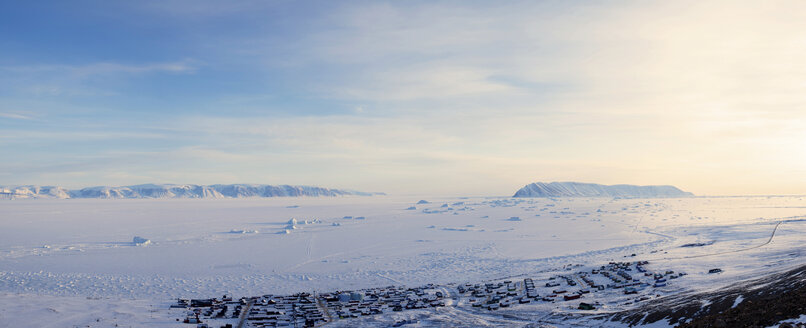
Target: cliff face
577	189
178	191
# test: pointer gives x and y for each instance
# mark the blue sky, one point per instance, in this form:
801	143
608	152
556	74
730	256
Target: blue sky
464	97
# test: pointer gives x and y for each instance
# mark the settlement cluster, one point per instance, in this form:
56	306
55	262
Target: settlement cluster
574	288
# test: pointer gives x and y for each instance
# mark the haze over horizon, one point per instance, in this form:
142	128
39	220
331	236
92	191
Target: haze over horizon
405	97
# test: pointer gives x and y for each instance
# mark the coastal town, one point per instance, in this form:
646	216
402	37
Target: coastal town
574	288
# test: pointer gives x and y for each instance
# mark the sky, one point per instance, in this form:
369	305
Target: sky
405	97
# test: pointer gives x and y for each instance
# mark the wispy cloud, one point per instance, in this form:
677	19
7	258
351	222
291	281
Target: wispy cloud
452	95
86	80
105	68
16	116
190	9
414	83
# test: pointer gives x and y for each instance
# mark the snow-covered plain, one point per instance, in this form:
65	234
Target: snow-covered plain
74	263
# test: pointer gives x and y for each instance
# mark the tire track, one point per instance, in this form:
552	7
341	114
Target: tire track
772	235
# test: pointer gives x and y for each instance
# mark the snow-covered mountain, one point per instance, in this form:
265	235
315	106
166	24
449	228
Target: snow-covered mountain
176	191
577	189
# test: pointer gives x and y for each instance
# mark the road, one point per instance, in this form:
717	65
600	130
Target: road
245	313
322	307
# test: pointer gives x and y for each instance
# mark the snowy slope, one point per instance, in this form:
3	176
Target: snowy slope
74	263
176	191
577	189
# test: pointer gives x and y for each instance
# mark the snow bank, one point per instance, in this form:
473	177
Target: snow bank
140	241
242	231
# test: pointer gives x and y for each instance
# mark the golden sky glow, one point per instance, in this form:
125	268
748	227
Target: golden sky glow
424	97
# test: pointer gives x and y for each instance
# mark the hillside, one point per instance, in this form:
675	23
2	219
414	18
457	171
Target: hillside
577	189
176	191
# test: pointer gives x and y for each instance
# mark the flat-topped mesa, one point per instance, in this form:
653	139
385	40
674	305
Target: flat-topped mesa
180	191
578	189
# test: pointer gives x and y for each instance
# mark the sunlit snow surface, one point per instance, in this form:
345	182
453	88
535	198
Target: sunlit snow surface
73	262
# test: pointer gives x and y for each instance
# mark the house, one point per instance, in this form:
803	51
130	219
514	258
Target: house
201	303
586	306
572	297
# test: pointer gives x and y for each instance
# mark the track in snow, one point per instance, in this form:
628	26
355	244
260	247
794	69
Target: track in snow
772	235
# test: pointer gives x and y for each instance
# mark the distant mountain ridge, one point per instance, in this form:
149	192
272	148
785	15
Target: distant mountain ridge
578	189
177	191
